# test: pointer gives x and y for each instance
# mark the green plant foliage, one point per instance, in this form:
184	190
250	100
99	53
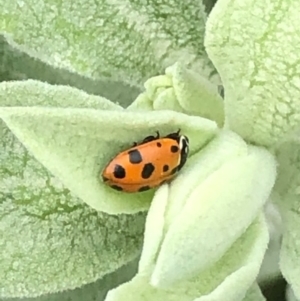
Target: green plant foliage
124	40
49	239
82	81
254	45
17	65
238	265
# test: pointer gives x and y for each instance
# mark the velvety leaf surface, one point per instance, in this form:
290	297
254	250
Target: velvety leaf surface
215	213
254	45
182	90
169	203
286	195
17	65
254	294
219	283
127	41
76	144
95	291
49	239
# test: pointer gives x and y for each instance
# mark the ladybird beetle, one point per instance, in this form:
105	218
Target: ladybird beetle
146	165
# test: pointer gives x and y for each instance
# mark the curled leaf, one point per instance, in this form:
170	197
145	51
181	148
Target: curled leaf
254	47
182	90
75	144
212	215
169	203
50	240
240	264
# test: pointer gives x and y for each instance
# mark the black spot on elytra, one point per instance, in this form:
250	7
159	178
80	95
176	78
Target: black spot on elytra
144	188
165	168
116	187
174	148
158	144
147	170
119	172
135	156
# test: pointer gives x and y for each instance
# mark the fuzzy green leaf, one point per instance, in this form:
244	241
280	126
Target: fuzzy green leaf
254	46
95	291
125	40
269	269
286	194
254	294
182	90
240	264
290	296
35	93
154	234
203	208
76	144
49	239
15	65
222	149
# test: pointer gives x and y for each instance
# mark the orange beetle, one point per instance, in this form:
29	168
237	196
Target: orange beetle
154	161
